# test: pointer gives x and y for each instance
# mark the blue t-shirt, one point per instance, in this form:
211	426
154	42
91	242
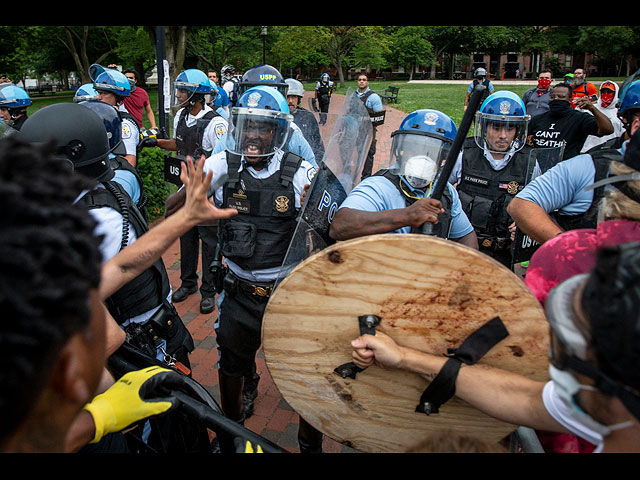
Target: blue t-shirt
562	187
377	194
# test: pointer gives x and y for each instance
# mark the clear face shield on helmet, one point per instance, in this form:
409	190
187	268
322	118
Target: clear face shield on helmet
183	95
417	157
257	132
501	134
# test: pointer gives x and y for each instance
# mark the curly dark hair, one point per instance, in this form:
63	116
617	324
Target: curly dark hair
49	262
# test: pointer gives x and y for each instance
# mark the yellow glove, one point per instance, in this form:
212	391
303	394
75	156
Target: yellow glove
132	398
248	448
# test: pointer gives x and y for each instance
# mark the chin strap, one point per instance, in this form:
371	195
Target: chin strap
476	345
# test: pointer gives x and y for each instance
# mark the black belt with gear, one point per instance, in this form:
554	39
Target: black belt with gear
234	284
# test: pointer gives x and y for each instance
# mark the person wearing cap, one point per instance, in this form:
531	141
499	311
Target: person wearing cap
480	77
559	199
564	126
536	99
304	118
606	103
594	385
583	88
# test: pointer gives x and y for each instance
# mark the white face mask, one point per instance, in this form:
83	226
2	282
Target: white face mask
568	387
419	171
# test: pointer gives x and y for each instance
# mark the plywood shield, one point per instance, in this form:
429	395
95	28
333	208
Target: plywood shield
431	294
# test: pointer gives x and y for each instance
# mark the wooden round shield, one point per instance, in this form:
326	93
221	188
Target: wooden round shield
430	294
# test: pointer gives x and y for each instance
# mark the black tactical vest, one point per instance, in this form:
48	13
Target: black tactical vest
259	235
149	289
602	159
189	139
440	229
485	193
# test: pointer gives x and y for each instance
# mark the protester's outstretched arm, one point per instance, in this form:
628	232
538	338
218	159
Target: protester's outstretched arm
500	394
140	255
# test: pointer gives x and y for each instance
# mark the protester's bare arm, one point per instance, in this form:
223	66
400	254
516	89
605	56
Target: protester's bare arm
140	255
503	395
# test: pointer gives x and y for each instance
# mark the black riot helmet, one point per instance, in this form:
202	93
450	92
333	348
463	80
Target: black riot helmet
263	75
79	135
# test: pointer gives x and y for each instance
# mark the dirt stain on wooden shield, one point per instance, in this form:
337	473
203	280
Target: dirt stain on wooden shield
431	294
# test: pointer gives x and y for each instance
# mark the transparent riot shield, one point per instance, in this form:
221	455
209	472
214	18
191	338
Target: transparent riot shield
346	135
524	246
547	157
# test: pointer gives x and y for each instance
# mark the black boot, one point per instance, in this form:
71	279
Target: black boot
231	404
249	393
309	439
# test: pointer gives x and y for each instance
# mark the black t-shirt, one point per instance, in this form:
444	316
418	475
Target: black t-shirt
572	129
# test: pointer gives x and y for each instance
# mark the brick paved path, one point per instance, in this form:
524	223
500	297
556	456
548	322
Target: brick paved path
273	417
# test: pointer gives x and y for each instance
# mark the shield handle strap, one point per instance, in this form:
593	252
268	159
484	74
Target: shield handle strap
474	347
368	324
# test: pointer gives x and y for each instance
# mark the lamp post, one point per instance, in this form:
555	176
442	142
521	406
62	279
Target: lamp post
263	32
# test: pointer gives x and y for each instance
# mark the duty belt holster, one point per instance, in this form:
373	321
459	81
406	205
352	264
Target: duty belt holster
474	347
233	285
494	244
147	336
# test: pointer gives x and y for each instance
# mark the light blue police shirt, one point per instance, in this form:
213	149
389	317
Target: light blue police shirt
374	102
562	187
377	194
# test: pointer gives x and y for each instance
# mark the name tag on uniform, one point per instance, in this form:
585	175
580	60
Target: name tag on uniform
476	180
242	205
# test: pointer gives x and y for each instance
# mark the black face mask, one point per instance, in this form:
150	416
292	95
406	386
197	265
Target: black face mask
558	108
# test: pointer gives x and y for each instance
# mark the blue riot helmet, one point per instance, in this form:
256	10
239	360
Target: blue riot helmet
85	93
13	96
112	124
191	86
78	136
501	123
263	75
420	145
259	123
629	102
110	80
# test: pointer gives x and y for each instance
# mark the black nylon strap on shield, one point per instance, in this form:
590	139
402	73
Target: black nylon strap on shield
474	347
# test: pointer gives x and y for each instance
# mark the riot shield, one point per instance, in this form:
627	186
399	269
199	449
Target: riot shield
346	135
427	293
547	157
524	246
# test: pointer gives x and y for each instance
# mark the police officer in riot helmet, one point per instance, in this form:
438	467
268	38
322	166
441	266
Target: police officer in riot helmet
265	184
112	87
197	129
492	168
304	118
13	105
397	199
141	307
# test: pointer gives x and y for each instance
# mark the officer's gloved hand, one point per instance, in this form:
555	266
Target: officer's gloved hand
149	138
134	397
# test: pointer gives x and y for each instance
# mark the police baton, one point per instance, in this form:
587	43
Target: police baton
461	135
